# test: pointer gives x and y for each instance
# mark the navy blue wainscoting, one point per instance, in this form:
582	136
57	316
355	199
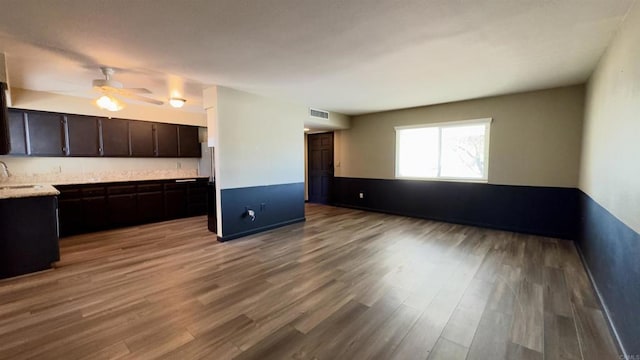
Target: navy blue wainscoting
611	253
547	211
274	206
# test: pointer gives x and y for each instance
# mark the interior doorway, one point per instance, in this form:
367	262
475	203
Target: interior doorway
320	167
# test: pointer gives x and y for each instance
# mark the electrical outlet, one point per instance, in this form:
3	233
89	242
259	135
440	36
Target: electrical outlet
178	165
361	195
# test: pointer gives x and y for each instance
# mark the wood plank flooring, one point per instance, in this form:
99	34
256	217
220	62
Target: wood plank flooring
346	284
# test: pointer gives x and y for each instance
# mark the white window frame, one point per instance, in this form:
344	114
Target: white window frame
440	125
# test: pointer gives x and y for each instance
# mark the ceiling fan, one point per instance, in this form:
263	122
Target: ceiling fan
112	89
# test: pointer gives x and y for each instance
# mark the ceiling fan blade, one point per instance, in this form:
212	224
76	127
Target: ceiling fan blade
136	97
138	90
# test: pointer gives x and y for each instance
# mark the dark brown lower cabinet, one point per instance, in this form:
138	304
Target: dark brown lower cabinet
29	240
197	198
175	203
93	207
122	210
95	213
70	216
150	207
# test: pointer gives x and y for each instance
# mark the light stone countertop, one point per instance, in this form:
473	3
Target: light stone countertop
8	191
29	185
100	177
110	180
18	189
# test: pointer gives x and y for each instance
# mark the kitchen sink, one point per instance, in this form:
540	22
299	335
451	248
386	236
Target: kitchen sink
17	187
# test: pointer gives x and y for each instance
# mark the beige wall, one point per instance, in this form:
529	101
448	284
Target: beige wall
611	150
259	140
535	137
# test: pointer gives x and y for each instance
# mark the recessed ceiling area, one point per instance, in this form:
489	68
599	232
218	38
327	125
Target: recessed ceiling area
351	57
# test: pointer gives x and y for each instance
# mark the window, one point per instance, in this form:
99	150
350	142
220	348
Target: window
448	151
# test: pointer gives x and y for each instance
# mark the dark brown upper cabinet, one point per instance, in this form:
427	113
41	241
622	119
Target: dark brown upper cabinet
188	141
40	133
17	138
166	140
83	135
115	137
141	139
45	134
4	121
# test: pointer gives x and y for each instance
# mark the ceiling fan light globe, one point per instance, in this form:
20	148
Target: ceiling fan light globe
109	103
177	102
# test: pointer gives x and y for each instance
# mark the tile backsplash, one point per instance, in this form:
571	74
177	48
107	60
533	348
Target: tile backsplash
27	170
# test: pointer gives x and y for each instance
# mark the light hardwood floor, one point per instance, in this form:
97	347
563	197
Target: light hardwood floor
346	284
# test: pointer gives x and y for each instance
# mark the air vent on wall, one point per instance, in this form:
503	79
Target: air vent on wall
320	114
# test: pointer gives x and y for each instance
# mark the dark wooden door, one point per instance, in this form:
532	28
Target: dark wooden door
17	137
320	167
188	141
167	140
83	134
115	137
45	134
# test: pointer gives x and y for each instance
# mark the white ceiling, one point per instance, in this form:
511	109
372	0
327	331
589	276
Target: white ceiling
354	56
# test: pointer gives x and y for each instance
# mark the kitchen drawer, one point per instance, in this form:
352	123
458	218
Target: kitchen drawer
175	186
69	193
121	189
199	191
149	188
93	191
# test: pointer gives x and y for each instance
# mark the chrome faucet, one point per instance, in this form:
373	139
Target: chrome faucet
5	170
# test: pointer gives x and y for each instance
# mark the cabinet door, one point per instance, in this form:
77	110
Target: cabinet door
4	122
45	134
17	138
150	207
95	213
189	142
83	134
115	137
70	216
175	200
25	248
141	136
70	210
122	210
197	198
167	140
